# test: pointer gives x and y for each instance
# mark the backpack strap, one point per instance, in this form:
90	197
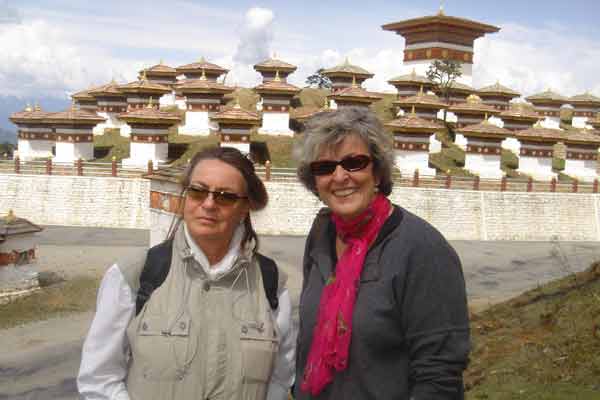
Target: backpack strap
155	271
270	278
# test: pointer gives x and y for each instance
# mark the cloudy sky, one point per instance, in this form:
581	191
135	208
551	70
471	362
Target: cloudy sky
51	48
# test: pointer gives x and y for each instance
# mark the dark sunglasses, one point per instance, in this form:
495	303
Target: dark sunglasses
221	198
349	163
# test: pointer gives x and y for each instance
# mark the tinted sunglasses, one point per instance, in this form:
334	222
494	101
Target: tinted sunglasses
349	163
221	198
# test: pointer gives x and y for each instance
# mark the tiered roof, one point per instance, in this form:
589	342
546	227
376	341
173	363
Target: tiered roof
159	69
143	85
411	123
474	105
349	70
202	65
148	115
272	65
29	115
411	78
498	90
355	93
83	95
276	86
539	134
440	23
547	97
109	90
237	115
585	99
520	112
75	116
422	100
202	85
485	129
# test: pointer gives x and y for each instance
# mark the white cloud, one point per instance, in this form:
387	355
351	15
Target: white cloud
256	36
8	14
533	60
40	60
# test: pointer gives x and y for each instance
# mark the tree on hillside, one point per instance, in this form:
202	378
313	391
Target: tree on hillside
318	80
6	150
443	73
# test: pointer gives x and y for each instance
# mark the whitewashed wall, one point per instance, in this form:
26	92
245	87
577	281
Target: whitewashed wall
458	214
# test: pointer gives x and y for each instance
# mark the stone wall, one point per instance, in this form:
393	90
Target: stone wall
77	200
458	214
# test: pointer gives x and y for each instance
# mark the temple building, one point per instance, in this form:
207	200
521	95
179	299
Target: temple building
411	84
425	105
273	67
585	107
483	148
440	37
73	132
201	68
85	101
414	139
472	111
547	104
111	102
537	151
149	135
234	127
35	138
162	75
457	93
203	98
346	75
275	97
581	159
497	96
352	96
519	116
595	123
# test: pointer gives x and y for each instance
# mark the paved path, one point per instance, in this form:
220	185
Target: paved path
44	356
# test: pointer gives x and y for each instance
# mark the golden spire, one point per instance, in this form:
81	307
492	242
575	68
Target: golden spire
441	10
161	62
354	81
326	104
150	103
202	60
412	112
237	104
346	61
277	78
203	77
413	74
10	217
143	78
28	108
37	107
421	91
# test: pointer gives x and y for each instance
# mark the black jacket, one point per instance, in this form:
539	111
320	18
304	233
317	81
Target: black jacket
410	335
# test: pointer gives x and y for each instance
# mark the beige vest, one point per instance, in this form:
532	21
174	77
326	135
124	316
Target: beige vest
202	339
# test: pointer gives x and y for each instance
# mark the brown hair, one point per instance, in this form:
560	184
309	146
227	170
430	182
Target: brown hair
257	193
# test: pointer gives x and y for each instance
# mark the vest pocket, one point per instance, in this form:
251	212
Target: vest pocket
258	357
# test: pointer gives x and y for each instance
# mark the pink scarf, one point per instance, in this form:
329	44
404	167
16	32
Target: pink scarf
331	337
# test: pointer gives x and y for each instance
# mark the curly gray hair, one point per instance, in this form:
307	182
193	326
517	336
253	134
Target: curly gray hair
329	128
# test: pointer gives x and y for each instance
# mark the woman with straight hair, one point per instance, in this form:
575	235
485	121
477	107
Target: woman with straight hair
217	324
383	308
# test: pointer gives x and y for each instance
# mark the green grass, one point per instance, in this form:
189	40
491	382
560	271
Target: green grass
117	144
57	299
543	344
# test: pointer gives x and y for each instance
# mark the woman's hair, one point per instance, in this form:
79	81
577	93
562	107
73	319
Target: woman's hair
256	191
329	128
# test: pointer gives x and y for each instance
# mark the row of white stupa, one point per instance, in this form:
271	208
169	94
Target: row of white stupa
195	89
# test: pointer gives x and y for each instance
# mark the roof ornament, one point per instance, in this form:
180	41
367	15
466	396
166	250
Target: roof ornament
202	60
473	99
237	106
277	78
203	77
440	12
150	106
538	124
412	112
37	107
413	74
420	91
346	61
486	120
144	78
354	85
161	62
326	104
10	217
28	108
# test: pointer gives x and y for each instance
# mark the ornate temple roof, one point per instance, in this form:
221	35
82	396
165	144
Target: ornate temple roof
539	134
467	26
149	114
520	111
30	114
585	98
109	90
236	115
202	65
485	129
411	123
273	64
84	95
347	69
277	86
75	116
473	105
355	93
11	225
547	96
202	85
410	78
160	69
425	100
498	89
143	85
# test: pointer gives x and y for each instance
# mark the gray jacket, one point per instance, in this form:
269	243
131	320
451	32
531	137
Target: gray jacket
410	335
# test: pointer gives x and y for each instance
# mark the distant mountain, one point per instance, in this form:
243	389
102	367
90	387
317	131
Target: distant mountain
7	136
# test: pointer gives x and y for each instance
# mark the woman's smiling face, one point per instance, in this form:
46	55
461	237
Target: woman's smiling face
346	193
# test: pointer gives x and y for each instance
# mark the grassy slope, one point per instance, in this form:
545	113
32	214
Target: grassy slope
542	345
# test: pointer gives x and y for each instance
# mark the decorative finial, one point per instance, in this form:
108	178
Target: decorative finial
10	217
144	78
325	104
150	103
28	108
441	10
473	99
161	62
201	60
413	74
354	81
237	104
412	112
485	120
203	77
277	78
421	91
73	105
37	107
346	61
